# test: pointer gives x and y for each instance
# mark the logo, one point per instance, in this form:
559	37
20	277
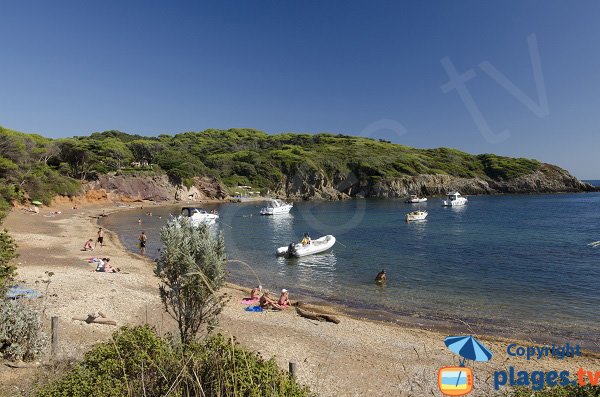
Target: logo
458	380
455	381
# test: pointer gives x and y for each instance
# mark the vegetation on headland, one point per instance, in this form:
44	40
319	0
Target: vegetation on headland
39	168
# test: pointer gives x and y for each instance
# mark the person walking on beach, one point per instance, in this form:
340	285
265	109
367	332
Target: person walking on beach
100	238
143	239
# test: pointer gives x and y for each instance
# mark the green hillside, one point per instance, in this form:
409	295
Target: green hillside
39	168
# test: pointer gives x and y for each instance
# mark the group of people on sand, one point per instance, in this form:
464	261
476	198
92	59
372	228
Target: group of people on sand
103	266
99	240
267	301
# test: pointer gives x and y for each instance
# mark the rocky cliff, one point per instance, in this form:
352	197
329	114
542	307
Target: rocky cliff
129	188
309	185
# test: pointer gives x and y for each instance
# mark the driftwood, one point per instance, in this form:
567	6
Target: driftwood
92	318
21	364
317	316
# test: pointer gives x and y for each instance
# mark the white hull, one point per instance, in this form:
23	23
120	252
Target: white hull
316	246
198	216
276	207
284	209
454	200
202	220
416	216
454	203
416	200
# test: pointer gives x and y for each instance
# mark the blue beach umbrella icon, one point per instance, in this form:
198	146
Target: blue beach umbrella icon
468	348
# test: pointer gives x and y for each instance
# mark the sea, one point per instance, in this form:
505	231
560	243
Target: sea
507	265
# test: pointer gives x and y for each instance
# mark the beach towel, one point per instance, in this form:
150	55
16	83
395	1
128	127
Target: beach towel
248	301
16	292
254	309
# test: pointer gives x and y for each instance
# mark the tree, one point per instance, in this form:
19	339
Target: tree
145	150
191	269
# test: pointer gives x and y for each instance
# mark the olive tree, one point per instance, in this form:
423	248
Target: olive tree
191	269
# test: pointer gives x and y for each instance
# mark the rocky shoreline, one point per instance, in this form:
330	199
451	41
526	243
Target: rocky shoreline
317	185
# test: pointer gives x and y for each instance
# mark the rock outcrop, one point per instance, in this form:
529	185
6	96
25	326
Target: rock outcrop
128	188
316	185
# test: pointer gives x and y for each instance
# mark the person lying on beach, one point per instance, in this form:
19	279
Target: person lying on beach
266	302
88	245
284	300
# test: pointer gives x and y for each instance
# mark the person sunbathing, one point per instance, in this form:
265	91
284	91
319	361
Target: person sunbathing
266	302
254	296
284	300
104	267
88	245
254	293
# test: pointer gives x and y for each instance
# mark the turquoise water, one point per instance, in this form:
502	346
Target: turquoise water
516	265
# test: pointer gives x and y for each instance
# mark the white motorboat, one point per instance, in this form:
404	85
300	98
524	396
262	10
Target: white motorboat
314	247
415	199
198	216
276	207
416	216
454	199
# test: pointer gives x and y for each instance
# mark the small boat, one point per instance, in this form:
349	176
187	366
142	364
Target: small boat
276	207
314	247
198	216
454	199
416	216
415	199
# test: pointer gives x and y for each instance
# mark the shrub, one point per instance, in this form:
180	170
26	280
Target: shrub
8	251
137	362
191	277
21	335
567	391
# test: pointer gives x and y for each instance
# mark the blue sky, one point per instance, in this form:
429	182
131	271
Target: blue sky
371	68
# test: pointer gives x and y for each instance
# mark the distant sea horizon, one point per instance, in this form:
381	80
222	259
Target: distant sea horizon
593	182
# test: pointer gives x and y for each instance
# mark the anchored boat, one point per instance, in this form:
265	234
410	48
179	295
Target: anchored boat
314	247
276	207
454	199
415	199
198	216
416	216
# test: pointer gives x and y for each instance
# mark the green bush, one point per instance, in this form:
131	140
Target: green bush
21	335
8	251
567	391
137	362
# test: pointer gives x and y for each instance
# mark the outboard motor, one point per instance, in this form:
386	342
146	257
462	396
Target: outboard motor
291	249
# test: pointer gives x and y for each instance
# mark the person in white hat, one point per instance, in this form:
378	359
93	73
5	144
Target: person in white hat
284	300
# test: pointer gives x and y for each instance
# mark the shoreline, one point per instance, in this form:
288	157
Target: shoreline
438	321
356	357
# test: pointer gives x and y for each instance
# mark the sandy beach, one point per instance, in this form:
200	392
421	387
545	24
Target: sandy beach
356	357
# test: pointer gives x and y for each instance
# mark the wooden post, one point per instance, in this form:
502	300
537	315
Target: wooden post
293	367
54	338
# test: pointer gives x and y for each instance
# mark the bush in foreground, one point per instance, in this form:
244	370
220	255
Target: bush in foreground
21	335
8	251
567	391
137	362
